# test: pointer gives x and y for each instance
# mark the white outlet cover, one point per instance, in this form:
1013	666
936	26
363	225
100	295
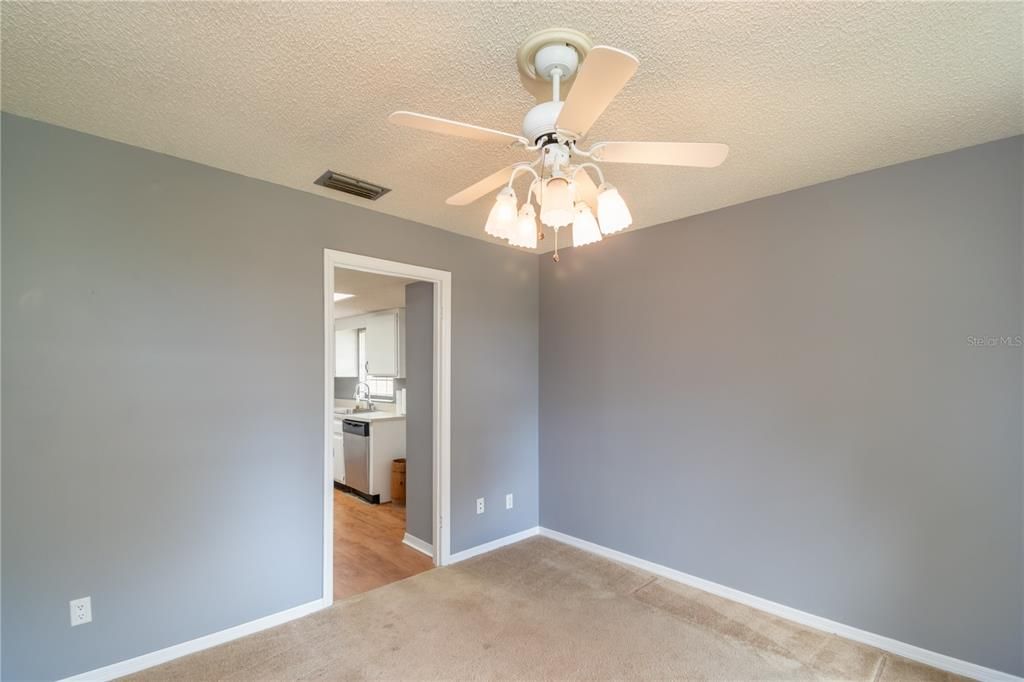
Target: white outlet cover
480	505
508	501
81	611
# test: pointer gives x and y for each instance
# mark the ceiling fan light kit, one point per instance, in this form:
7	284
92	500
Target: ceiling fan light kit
612	212
502	217
556	203
524	234
552	130
584	226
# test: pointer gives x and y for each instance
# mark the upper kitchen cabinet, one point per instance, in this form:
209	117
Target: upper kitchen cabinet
385	343
346	352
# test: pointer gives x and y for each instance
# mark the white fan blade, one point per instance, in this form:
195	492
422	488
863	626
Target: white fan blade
446	127
478	189
586	190
698	154
602	74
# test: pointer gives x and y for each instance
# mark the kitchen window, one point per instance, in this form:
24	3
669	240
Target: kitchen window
381	388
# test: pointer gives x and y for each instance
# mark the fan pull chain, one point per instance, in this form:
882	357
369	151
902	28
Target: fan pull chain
555	257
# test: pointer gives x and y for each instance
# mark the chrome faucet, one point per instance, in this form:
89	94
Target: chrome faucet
358	397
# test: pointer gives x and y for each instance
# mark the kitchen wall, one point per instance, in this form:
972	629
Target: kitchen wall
419	419
799	397
181	484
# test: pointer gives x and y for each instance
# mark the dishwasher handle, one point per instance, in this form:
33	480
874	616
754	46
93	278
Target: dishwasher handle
357	428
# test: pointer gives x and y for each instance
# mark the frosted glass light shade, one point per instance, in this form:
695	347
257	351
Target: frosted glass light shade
525	232
502	218
556	203
612	212
584	226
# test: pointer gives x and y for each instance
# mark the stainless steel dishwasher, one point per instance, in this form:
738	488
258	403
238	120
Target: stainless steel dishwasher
356	442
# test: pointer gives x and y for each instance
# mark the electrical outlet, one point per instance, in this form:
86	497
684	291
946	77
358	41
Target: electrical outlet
81	611
508	501
479	505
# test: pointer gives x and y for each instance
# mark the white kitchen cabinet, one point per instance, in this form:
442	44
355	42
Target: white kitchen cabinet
338	447
387	443
346	353
385	352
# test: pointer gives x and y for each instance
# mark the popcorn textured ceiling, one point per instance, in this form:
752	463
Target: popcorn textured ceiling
802	92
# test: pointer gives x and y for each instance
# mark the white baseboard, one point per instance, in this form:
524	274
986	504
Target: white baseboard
915	653
419	545
492	545
134	665
910	651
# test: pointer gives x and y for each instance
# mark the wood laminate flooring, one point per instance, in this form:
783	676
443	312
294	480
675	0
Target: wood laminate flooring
368	549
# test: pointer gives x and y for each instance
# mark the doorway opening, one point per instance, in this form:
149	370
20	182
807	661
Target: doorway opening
387	369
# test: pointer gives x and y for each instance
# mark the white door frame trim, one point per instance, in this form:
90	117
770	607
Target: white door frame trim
442	281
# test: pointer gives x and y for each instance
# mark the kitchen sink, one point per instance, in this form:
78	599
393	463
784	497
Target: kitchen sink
352	410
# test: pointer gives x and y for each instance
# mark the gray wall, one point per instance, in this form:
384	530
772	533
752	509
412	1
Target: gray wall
419	419
782	397
180	483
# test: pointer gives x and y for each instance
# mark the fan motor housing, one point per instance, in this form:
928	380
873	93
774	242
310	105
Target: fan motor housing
540	120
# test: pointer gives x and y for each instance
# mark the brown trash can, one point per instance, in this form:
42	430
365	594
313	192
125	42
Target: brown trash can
398	481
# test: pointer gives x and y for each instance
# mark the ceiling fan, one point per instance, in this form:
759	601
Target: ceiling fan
554	129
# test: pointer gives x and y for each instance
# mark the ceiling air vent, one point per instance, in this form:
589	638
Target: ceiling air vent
350	185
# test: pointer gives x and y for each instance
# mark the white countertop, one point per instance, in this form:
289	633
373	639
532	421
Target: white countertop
375	416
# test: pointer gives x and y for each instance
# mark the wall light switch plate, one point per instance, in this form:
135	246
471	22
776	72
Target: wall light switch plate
479	505
81	611
508	501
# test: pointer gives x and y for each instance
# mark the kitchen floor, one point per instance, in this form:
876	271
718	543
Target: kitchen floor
368	549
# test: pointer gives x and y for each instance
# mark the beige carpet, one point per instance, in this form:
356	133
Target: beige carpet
540	610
